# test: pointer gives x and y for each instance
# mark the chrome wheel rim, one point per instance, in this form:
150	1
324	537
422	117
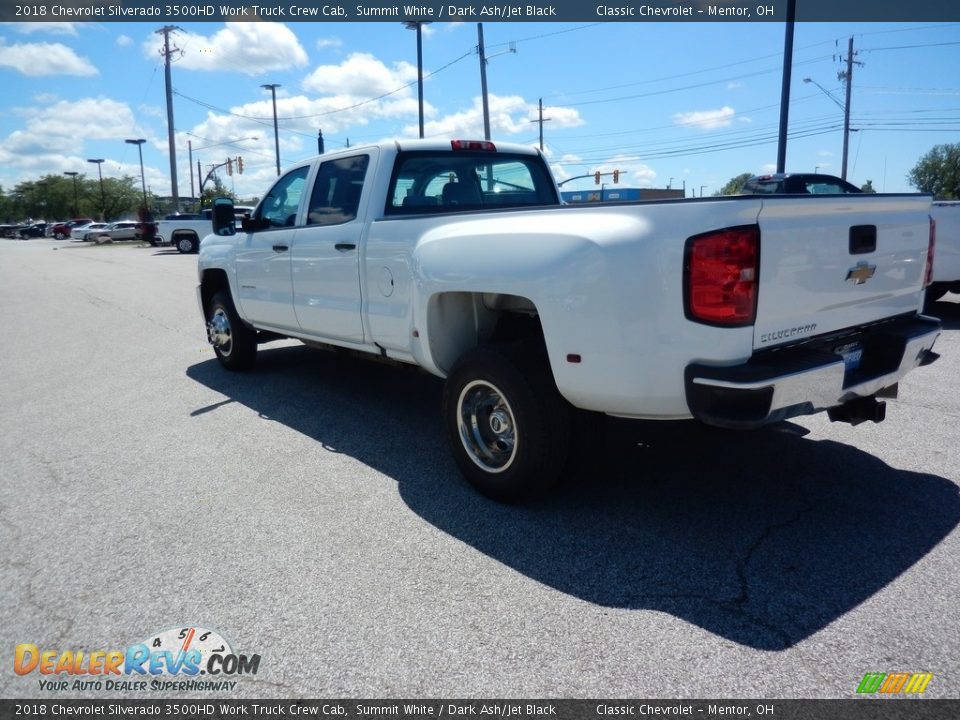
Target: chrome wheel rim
487	426
185	244
218	332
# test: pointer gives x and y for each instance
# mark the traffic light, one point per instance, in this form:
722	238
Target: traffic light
616	176
240	165
596	177
229	166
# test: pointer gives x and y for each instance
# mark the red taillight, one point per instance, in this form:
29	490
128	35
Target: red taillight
484	145
721	276
931	246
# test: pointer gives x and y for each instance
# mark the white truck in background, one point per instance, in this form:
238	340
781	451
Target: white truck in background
946	259
184	232
459	257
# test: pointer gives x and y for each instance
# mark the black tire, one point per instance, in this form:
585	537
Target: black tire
234	342
187	244
507	424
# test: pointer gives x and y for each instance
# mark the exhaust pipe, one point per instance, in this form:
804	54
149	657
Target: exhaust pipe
858	411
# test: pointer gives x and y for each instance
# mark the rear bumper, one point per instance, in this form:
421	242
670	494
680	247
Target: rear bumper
781	383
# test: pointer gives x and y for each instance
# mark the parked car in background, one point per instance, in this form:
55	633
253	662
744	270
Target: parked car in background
186	231
946	256
797	184
33	231
120	230
79	232
62	230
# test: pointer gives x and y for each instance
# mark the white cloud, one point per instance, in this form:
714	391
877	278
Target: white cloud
735	85
360	75
59	127
248	48
330	42
36	59
706	119
124	40
54	28
509	115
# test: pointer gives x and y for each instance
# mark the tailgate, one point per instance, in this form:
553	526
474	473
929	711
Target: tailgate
830	263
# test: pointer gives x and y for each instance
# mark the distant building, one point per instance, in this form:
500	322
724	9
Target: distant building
619	194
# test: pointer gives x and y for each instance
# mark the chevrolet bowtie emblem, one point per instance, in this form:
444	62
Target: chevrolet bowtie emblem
861	272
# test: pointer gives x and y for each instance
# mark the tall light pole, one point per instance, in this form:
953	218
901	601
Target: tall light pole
143	182
74	176
103	197
418	26
272	87
846	121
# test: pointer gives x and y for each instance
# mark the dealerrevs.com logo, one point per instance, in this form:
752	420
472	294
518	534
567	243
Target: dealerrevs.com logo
894	683
174	659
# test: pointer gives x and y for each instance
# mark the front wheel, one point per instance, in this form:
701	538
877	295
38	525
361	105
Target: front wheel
234	343
187	244
507	424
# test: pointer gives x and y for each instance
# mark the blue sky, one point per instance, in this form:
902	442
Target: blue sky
665	103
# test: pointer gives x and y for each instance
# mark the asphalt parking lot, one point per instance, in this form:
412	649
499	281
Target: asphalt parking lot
310	513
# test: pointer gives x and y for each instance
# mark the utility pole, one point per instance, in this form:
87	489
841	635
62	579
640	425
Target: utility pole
785	86
276	132
190	167
166	53
483	82
541	120
847	78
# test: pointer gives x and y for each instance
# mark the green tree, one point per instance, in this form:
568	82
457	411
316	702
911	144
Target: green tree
123	196
734	185
867	187
938	172
217	189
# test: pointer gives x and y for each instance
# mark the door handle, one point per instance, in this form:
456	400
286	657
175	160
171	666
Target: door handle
281	248
343	247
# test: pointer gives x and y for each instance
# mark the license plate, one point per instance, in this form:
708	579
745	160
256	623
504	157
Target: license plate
851	355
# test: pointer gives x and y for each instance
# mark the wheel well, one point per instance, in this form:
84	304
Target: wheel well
176	233
214	281
459	321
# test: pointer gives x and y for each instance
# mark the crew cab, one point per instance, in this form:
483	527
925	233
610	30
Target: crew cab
459	257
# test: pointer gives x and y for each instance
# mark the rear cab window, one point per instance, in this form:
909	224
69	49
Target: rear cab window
444	181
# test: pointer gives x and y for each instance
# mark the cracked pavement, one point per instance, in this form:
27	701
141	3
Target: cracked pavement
310	513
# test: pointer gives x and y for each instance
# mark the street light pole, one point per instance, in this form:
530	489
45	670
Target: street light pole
103	197
418	26
272	87
846	119
143	182
74	174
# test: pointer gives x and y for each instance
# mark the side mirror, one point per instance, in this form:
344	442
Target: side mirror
224	222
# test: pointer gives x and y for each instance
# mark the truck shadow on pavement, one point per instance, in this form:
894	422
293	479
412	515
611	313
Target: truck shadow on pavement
762	538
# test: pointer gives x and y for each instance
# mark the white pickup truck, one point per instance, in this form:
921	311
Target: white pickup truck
458	257
184	232
946	263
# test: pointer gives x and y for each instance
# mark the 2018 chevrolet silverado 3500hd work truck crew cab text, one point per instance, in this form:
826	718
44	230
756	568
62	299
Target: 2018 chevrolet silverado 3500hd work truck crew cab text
459	257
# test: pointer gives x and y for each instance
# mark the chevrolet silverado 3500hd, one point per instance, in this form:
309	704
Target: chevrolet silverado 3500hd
459	257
